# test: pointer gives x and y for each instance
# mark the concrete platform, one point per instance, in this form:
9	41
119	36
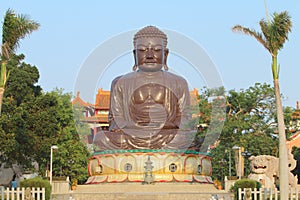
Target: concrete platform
135	191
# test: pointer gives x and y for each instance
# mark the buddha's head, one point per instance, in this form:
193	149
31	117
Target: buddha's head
150	49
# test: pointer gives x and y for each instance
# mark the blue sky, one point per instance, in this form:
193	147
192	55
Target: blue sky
71	30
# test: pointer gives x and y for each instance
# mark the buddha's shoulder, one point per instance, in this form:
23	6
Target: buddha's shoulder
174	77
124	77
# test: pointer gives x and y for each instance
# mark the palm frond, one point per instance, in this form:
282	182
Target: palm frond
257	35
264	26
279	29
15	27
26	26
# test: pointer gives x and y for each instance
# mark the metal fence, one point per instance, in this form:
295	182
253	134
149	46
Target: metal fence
22	193
264	194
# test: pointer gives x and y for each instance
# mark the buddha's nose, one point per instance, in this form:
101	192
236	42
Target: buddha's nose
149	53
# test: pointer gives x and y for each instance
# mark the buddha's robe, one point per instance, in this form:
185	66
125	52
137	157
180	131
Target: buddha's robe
148	110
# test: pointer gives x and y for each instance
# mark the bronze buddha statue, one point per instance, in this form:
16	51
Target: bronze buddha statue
148	120
148	107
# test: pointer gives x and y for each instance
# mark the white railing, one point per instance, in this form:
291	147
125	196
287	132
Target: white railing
264	193
22	194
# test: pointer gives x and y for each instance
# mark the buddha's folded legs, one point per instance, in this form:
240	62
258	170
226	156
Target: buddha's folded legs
143	139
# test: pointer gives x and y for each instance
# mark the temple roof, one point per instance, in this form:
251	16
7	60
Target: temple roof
98	118
78	100
194	97
102	99
294	140
295	114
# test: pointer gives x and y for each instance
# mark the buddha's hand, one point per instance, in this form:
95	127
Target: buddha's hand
170	125
116	130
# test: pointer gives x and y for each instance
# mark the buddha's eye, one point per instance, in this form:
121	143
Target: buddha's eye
157	48
142	49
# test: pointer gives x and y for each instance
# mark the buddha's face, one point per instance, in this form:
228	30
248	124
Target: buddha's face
150	54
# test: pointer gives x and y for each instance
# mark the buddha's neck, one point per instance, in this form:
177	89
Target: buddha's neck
149	73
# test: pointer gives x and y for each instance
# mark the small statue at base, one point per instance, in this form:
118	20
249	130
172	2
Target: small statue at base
149	178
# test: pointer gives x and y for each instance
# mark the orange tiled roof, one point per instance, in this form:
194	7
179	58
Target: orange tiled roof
78	100
296	114
102	99
99	118
194	97
295	140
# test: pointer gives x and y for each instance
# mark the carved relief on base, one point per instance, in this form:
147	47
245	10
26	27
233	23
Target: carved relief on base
129	166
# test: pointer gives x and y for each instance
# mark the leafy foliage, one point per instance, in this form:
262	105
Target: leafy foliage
82	127
274	35
33	121
72	154
244	183
15	27
211	116
38	182
250	118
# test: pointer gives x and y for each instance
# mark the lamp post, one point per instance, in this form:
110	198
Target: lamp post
229	159
239	149
222	163
246	154
53	147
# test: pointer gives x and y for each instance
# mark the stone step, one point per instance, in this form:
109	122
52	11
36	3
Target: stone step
120	196
131	191
137	191
138	187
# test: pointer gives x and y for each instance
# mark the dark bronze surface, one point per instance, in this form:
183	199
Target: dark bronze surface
148	107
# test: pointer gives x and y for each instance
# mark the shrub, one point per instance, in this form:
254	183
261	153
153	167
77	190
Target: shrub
244	183
38	182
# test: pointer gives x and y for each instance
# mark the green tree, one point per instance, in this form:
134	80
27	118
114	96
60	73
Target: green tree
72	154
20	95
22	84
82	127
15	27
250	118
33	121
274	35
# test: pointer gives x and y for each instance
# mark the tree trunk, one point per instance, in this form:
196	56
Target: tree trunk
1	97
283	160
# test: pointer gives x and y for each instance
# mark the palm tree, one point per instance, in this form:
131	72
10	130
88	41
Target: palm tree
15	27
3	78
273	36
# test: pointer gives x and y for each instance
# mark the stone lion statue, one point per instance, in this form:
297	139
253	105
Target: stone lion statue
265	169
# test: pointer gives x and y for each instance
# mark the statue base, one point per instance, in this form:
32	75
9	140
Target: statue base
117	166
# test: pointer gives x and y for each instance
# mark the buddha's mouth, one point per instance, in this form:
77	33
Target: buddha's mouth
150	61
260	167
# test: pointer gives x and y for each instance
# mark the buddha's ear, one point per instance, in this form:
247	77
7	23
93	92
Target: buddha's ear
166	53
134	55
135	60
